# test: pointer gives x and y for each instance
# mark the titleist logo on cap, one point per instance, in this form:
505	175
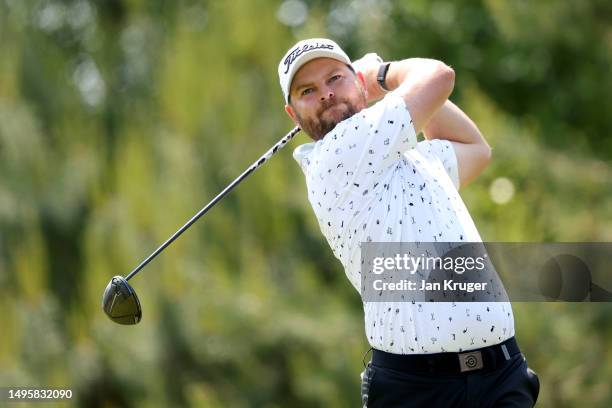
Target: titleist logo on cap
299	51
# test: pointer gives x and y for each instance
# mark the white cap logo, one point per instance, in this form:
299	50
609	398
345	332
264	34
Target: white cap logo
303	52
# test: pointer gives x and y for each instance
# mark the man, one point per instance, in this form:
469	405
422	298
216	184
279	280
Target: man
369	180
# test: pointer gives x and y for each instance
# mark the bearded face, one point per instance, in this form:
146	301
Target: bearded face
324	92
330	113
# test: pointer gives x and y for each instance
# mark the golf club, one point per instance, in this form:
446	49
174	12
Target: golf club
119	300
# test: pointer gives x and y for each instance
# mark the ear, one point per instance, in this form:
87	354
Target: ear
291	113
361	80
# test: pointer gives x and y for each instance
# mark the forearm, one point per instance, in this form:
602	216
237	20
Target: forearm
399	74
451	123
413	70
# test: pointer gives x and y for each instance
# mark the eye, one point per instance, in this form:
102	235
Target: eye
335	78
306	91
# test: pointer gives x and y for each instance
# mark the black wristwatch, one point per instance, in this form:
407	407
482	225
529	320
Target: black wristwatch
382	75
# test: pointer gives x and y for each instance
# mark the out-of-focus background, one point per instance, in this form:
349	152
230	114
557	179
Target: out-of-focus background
119	119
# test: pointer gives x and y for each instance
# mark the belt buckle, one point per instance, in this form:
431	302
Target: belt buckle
470	361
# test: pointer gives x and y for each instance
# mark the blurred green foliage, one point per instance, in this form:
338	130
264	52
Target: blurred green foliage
119	119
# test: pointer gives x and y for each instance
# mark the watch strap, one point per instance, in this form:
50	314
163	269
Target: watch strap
382	75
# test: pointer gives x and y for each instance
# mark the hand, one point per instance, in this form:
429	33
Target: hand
368	65
368	60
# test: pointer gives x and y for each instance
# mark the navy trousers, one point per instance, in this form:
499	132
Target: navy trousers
510	383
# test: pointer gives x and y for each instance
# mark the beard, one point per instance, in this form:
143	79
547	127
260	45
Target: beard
318	126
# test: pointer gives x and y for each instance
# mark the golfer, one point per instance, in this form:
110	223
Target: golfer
369	180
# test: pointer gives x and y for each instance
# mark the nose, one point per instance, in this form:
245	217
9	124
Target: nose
327	93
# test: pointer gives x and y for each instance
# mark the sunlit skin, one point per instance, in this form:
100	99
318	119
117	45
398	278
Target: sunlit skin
323	93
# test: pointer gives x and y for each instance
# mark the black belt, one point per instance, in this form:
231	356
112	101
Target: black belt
485	358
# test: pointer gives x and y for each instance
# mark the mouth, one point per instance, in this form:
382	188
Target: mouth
330	109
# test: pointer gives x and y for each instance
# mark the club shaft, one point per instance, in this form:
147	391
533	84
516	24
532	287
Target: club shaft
265	157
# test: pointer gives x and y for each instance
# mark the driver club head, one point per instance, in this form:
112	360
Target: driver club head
120	302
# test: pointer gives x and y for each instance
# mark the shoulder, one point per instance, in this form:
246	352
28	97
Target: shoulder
392	101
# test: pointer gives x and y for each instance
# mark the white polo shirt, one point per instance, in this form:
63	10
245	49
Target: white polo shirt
369	180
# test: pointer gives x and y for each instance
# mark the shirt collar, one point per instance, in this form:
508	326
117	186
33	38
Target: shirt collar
302	151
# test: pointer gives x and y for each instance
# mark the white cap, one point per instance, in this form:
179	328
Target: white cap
303	52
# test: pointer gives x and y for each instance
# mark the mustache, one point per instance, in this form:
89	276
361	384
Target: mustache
328	103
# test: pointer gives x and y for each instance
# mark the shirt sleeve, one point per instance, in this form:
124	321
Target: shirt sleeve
367	144
441	153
